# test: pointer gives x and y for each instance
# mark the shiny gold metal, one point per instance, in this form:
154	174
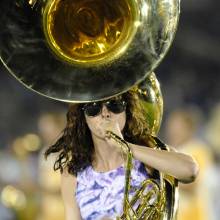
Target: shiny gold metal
155	199
88	50
85	50
151	100
93	32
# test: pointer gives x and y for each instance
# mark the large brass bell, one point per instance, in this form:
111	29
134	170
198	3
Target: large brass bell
89	50
84	50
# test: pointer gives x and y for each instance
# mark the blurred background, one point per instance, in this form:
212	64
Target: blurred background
189	78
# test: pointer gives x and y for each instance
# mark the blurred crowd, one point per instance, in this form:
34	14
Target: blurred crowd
29	188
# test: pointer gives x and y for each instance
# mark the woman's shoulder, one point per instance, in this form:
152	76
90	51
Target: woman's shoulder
68	188
68	180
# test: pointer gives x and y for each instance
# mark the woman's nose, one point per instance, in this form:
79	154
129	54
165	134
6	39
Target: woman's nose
105	112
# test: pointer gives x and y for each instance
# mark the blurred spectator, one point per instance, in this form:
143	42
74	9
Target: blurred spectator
182	132
212	135
50	125
213	131
18	185
7	164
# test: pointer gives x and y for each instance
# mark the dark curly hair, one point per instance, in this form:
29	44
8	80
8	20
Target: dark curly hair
75	146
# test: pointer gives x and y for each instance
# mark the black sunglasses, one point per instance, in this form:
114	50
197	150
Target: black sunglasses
114	105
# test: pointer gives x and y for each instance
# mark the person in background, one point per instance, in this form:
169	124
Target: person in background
212	136
51	207
182	131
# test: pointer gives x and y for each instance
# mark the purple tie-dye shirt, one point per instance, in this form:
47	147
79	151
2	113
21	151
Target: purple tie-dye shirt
100	194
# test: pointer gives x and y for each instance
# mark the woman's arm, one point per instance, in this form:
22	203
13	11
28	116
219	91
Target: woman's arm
68	187
182	166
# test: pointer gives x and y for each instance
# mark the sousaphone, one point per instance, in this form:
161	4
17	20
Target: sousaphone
88	50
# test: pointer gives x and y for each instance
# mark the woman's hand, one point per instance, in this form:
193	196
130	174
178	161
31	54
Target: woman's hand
113	127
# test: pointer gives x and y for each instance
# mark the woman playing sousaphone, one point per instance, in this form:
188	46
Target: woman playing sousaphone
95	50
92	164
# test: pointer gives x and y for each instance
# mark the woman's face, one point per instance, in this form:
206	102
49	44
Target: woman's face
106	119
